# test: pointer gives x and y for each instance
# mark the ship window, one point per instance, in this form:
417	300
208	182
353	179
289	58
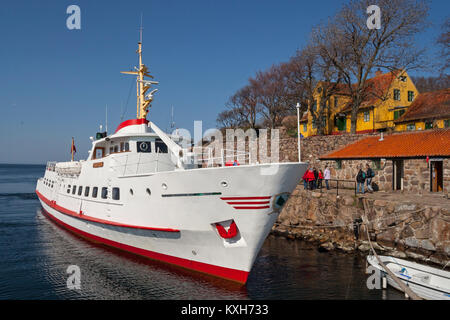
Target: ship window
149	192
74	189
104	193
86	191
94	192
127	146
80	190
116	194
111	150
99	152
68	188
160	146
122	147
144	146
116	148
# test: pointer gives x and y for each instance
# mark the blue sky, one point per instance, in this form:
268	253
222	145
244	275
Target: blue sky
55	82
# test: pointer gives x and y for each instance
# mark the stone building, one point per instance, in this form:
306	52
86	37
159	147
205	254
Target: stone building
415	162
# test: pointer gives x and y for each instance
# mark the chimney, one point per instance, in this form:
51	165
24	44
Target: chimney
378	73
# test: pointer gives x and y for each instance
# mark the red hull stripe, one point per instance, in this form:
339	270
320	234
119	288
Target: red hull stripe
248	202
222	272
131	122
244	198
261	207
68	212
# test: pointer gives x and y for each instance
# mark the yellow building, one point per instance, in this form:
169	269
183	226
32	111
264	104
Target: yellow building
388	97
429	110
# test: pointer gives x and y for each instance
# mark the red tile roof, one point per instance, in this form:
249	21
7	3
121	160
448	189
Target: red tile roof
428	105
377	88
417	144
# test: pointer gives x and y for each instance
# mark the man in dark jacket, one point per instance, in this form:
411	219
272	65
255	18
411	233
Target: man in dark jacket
360	179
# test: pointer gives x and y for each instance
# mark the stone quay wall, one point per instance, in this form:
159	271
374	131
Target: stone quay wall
401	229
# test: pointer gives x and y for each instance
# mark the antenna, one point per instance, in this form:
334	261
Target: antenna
140	29
106	120
172	124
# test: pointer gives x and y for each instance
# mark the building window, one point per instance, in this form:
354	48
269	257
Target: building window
116	194
80	190
447	123
86	191
376	164
398	113
397	94
411	127
366	116
428	125
305	127
410	96
104	193
338	164
94	192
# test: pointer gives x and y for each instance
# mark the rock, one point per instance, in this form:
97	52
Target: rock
379	203
327	246
316	194
427	245
364	247
348	201
407	232
406	207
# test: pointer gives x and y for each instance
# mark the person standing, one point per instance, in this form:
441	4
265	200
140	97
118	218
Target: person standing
316	177
369	174
360	179
327	177
305	179
319	185
310	178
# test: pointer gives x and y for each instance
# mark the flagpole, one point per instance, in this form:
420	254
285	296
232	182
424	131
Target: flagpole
71	149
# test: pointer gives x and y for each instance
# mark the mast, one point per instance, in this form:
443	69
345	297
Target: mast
142	85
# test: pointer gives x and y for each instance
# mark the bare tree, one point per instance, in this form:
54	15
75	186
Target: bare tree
230	118
355	50
272	94
444	43
245	102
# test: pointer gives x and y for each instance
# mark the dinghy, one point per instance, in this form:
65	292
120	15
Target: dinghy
427	282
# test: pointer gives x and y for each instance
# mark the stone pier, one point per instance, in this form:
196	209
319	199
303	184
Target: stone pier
401	225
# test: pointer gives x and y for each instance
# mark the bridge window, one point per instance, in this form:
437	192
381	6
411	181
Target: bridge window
160	146
99	152
144	146
127	146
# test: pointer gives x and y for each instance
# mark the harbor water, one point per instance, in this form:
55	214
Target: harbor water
36	253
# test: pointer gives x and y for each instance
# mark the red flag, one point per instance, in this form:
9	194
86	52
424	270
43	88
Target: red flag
73	149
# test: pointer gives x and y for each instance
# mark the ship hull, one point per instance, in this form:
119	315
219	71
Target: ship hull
179	225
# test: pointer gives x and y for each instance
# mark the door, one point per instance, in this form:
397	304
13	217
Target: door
397	177
437	176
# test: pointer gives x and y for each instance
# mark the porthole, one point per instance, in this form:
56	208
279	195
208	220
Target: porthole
131	191
148	192
224	184
164	186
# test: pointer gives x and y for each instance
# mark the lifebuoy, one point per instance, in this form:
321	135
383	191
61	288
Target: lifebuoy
231	233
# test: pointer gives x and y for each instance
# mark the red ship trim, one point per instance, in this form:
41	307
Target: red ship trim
82	216
221	272
131	122
244	198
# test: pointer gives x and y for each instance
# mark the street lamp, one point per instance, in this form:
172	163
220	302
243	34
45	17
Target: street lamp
298	130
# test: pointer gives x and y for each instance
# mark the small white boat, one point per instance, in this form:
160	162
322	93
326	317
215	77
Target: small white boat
427	282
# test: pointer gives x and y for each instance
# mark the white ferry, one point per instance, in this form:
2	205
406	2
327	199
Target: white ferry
132	195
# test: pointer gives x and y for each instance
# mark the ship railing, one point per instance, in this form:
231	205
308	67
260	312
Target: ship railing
50	166
208	157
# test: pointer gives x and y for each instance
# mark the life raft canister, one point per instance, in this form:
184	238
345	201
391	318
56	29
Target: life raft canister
231	233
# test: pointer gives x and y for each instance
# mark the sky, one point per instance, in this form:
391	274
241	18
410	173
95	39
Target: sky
55	83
